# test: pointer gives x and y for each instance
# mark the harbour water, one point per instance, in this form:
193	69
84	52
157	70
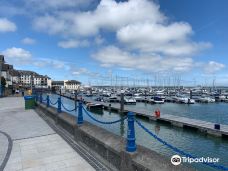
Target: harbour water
195	143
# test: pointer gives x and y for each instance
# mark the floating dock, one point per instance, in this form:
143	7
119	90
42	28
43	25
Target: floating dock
178	121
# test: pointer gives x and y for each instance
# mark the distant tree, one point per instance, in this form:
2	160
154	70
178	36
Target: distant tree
3	81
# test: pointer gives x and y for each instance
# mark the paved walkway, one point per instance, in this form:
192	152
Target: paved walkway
35	145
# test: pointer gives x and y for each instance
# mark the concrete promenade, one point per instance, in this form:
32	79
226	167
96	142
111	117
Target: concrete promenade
35	146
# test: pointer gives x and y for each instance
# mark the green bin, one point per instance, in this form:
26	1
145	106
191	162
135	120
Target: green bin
29	102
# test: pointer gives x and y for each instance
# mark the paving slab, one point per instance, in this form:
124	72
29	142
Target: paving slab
35	145
20	123
35	154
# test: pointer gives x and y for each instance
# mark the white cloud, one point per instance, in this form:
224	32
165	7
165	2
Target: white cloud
50	5
168	39
112	56
50	63
109	15
73	43
84	72
28	41
139	25
211	67
18	53
19	56
7	26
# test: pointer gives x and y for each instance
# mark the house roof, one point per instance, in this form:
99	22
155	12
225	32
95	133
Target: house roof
57	82
5	67
73	82
14	72
24	72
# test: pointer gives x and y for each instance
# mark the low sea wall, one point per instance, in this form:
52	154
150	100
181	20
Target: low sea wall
109	146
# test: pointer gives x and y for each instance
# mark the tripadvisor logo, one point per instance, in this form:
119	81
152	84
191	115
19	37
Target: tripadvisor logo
176	160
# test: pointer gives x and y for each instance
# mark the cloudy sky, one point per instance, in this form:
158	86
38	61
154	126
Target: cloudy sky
90	40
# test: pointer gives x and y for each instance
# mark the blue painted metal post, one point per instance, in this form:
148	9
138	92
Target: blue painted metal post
59	105
0	87
40	98
131	146
37	97
75	100
80	115
48	101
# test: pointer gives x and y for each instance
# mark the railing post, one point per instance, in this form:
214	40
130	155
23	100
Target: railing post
40	98
80	115
131	146
48	101
75	100
37	97
59	105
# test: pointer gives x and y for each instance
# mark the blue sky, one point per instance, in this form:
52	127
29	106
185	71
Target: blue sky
136	41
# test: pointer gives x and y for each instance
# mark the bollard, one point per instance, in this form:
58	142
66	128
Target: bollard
59	105
40	98
48	101
80	115
131	146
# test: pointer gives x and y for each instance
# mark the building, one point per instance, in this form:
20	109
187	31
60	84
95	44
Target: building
57	85
71	85
30	78
15	76
5	72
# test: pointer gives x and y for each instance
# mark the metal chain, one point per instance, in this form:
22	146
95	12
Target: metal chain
53	103
68	109
103	122
176	149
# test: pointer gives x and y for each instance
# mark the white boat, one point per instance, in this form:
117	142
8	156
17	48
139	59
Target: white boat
129	100
106	94
186	100
138	97
113	99
206	100
91	106
157	99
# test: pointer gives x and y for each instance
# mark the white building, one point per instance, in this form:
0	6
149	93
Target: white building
28	78
71	85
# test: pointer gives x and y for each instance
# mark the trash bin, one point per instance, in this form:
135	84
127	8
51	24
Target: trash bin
29	102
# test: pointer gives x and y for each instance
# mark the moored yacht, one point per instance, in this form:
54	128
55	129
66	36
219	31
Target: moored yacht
157	99
129	100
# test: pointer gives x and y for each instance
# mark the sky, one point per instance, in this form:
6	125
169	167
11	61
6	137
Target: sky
151	42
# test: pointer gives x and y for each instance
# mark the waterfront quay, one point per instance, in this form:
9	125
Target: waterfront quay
28	143
184	122
49	139
163	138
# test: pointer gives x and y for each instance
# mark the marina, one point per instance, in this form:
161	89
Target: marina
202	126
113	85
174	134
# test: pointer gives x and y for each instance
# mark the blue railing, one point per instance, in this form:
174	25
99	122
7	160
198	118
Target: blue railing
130	145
